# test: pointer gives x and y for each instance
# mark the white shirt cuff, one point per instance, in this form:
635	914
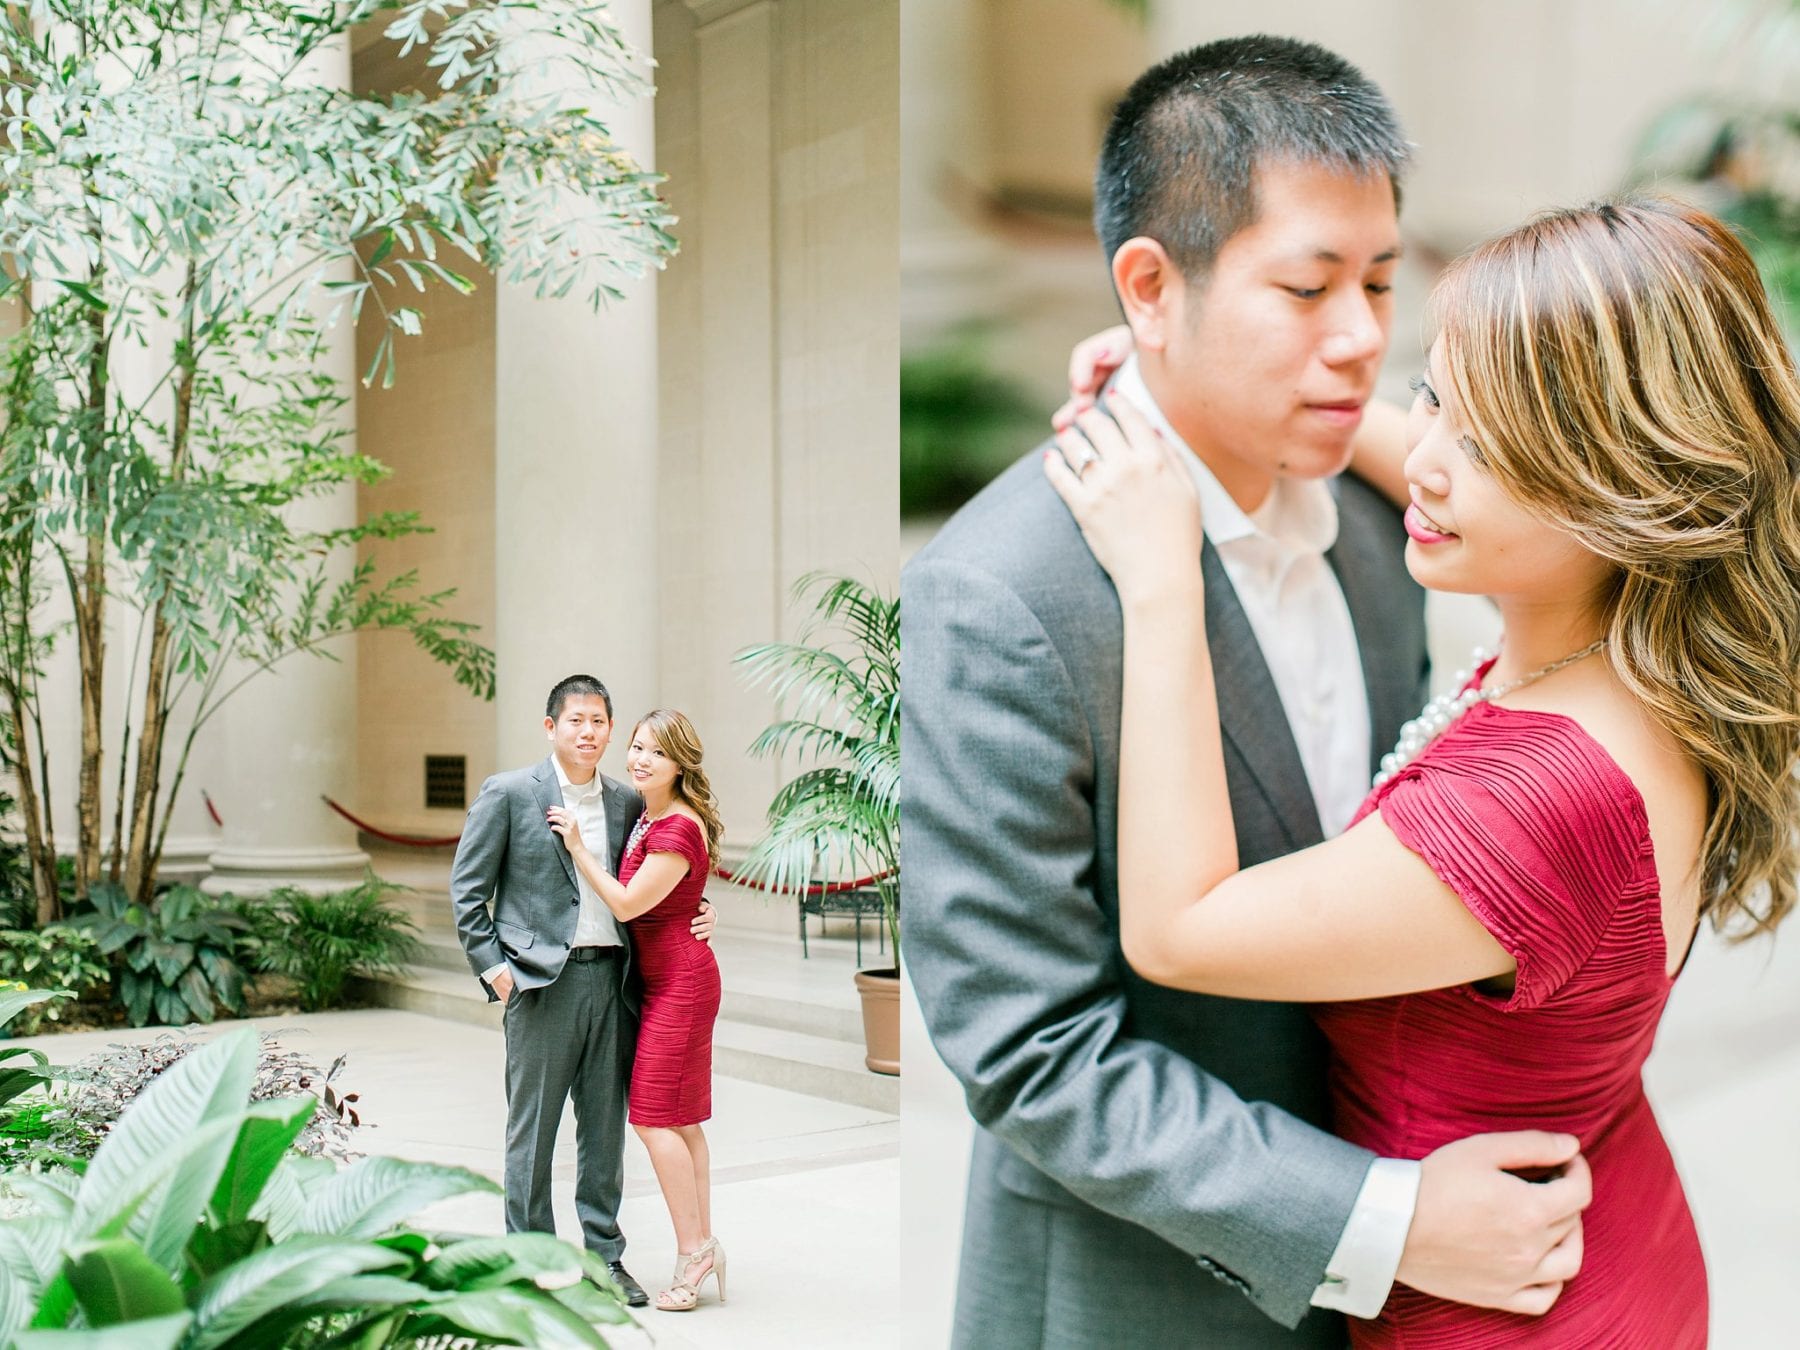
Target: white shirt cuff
1361	1271
492	971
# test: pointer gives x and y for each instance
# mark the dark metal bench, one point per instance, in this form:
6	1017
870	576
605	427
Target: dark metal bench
864	903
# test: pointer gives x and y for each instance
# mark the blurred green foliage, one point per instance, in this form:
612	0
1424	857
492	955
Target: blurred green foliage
1738	153
960	424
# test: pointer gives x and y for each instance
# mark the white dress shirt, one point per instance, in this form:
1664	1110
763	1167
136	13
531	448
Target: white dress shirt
595	925
1275	560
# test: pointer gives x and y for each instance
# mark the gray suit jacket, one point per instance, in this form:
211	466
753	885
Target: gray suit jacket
510	858
1200	1119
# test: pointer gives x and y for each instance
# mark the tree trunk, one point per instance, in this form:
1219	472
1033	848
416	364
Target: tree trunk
39	847
142	859
90	620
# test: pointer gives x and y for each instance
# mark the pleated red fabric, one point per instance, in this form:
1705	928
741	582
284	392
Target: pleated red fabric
671	1077
1545	839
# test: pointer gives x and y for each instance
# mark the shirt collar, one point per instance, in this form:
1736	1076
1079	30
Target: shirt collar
569	789
1299	513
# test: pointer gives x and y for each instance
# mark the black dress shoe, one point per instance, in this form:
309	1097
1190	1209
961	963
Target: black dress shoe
635	1297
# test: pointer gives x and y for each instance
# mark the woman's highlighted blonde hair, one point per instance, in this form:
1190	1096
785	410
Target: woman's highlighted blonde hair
1623	376
677	739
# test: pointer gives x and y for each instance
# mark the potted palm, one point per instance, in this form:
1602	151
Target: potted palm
839	816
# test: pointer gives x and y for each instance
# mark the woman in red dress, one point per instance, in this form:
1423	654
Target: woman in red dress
1606	440
657	894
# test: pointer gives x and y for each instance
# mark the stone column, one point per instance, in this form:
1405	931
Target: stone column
575	474
948	270
288	737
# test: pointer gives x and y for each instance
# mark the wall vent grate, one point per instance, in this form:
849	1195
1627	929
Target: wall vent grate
446	782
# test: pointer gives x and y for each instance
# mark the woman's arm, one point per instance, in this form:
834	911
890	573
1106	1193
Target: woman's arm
1378	451
1356	917
650	884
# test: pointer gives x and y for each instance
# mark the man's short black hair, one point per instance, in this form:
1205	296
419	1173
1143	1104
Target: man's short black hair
576	686
1180	156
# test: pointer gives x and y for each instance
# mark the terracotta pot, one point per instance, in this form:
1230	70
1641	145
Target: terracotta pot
880	990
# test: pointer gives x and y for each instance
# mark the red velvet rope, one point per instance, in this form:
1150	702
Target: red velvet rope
410	840
831	888
724	874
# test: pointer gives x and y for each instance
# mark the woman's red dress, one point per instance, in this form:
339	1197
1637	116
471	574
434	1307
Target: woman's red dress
671	1077
1544	838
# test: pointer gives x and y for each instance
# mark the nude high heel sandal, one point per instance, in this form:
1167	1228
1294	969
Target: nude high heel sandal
684	1294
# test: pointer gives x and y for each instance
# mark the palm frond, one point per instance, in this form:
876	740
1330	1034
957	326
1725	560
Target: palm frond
839	682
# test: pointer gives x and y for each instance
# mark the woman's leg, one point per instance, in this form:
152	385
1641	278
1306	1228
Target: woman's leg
674	1166
695	1139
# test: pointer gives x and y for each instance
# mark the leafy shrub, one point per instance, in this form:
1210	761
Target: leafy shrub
961	423
320	941
22	1128
194	1225
57	956
175	962
105	1084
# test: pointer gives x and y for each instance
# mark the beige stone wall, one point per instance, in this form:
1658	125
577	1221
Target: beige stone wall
1047	111
777	125
435	430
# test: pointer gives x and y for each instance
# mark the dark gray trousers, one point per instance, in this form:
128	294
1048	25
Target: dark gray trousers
569	1040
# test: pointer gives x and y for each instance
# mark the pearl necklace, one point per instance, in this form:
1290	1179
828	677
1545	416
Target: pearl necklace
1438	715
642	828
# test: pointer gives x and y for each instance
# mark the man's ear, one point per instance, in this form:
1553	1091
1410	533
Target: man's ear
1149	286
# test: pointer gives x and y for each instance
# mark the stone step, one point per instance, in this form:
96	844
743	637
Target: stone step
814	1065
441	951
787	1054
454	996
782	1013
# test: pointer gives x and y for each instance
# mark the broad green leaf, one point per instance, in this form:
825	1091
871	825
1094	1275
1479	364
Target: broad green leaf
260	1286
284	1198
264	1139
373	1295
159	1333
207	1086
30	1251
15	1001
372	1195
52	1192
524	1316
16	1081
212	1249
114	1281
593	1305
484	1262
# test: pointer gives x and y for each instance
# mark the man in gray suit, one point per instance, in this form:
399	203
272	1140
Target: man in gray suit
555	956
1128	1133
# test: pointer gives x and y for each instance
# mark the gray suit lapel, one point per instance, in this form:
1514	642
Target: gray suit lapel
1359	567
1250	712
548	792
616	798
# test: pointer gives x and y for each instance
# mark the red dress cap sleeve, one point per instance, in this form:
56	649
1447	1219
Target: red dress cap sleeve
675	833
1537	831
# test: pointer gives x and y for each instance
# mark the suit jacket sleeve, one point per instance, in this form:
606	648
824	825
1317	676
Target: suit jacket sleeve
1019	975
475	876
